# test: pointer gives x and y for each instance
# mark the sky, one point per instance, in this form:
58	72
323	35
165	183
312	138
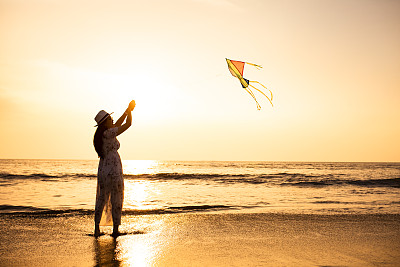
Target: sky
333	67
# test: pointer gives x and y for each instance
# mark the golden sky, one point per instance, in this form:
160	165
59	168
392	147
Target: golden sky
332	65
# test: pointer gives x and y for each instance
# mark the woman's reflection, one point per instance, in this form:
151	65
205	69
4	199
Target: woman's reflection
105	251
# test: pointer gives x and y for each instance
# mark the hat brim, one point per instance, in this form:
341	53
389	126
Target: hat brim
104	118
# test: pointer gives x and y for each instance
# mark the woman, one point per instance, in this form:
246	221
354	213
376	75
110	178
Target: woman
110	183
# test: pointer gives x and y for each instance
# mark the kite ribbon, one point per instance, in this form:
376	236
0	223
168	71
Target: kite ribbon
254	97
270	100
255	65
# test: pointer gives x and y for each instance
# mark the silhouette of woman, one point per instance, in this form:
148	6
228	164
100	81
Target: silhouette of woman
110	183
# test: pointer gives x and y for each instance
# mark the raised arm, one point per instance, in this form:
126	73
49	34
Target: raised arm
122	118
127	124
128	113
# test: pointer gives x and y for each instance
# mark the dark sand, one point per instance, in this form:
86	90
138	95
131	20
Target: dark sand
203	240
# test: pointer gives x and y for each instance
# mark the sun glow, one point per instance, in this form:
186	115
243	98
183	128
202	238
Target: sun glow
154	98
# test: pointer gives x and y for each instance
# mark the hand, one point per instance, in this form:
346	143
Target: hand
132	105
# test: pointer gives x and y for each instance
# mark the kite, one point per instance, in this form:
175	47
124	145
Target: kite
236	69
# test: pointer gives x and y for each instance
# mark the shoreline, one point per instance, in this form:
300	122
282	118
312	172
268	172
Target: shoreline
29	211
204	239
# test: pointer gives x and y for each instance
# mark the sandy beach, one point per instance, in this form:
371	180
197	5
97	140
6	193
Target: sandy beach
203	239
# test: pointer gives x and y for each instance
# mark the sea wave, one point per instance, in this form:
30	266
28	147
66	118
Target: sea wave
277	179
34	211
394	182
43	176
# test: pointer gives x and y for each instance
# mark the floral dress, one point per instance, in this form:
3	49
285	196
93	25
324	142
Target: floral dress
110	183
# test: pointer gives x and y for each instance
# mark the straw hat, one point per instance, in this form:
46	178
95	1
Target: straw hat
101	117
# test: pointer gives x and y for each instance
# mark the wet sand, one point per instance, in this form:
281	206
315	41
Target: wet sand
203	239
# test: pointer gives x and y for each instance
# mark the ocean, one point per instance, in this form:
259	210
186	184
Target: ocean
163	187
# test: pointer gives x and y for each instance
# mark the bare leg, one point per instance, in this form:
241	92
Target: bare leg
117	198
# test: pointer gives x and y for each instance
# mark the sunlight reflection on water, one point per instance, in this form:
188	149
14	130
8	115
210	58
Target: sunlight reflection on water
143	243
134	167
140	195
135	251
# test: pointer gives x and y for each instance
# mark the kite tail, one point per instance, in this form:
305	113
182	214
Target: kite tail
264	87
270	99
255	65
254	97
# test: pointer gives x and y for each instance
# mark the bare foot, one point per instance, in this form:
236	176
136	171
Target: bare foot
96	231
115	231
115	234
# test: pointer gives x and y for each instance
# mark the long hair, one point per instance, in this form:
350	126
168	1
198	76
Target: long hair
98	140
